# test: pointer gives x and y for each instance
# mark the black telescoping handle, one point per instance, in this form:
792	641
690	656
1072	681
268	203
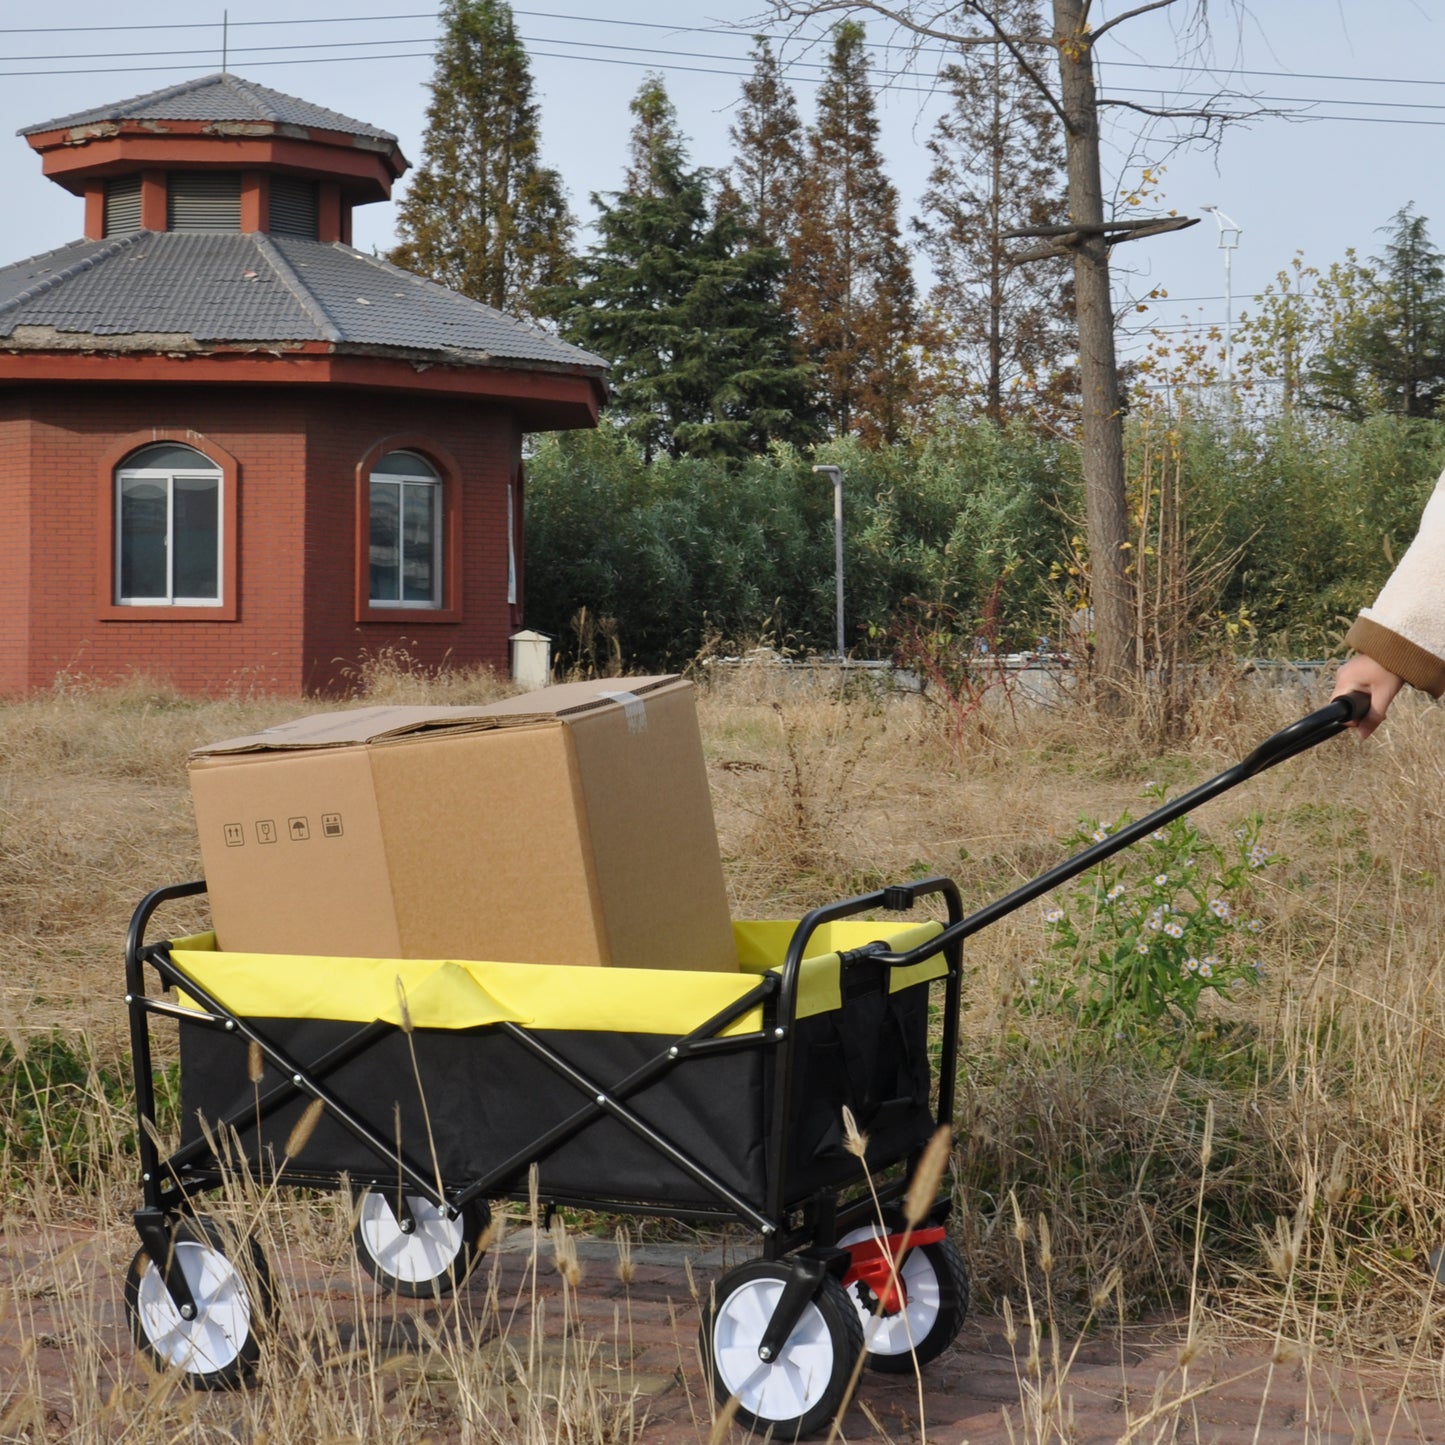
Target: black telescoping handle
1309	731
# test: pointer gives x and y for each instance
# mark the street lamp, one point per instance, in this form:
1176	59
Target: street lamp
1229	234
837	474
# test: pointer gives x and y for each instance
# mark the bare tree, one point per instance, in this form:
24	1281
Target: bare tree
1060	65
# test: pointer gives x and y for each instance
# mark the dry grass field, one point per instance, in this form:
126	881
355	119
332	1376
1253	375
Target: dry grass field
1275	1173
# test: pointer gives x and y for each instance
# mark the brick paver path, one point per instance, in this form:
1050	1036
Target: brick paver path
67	1367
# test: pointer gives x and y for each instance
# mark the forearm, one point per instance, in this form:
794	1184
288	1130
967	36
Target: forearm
1404	631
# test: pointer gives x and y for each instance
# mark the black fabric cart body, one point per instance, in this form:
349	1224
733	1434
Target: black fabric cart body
696	1095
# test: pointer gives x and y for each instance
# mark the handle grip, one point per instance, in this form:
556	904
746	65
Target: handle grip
1357	702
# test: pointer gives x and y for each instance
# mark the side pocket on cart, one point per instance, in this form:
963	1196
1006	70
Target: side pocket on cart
824	1089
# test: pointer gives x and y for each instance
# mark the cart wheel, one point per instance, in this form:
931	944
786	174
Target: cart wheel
800	1391
431	1258
935	1289
218	1348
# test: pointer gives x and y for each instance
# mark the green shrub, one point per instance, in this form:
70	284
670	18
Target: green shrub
67	1114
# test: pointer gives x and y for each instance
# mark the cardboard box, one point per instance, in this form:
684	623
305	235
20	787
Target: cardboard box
570	825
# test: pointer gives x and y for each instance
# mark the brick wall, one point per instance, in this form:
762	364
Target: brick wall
474	446
296	626
14	543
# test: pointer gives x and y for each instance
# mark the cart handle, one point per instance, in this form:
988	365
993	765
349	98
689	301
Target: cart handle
140	919
897	899
1299	736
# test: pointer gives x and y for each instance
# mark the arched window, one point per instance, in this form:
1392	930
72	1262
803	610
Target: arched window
168	543
406	532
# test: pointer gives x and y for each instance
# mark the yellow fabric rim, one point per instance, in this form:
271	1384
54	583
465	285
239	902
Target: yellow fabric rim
452	994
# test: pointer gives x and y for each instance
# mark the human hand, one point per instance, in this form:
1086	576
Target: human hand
1378	683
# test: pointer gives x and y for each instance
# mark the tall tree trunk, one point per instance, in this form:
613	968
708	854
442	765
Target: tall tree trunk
996	253
1103	430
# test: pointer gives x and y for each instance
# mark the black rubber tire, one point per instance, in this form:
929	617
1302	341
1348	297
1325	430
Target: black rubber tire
936	1280
433	1260
799	1393
232	1287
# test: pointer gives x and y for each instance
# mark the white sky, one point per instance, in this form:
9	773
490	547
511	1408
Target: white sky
1368	71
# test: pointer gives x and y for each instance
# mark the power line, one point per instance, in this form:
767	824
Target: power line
656	56
1274	99
252	65
216	24
674	28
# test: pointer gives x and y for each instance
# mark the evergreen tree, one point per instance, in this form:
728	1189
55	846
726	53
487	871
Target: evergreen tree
1406	347
657	151
483	215
1001	335
682	300
1385	351
850	288
768	143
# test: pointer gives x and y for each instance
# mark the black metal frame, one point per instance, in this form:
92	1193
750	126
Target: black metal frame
808	1230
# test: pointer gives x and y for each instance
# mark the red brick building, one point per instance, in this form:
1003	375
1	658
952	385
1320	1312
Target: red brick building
235	451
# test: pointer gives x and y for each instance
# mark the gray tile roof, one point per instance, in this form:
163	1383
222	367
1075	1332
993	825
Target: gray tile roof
218	97
211	288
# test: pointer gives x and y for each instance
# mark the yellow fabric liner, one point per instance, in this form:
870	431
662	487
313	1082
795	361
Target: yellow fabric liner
450	994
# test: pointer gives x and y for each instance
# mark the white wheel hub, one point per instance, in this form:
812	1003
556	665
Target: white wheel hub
429	1251
792	1384
222	1325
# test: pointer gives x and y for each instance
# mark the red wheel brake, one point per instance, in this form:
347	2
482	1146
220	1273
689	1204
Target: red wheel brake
877	1263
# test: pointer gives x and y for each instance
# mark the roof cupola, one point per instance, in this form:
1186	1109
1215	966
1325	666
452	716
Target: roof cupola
218	154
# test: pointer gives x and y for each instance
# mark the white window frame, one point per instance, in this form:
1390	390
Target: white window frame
410	484
169	476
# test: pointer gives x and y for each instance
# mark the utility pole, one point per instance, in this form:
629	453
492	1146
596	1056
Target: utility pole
1229	234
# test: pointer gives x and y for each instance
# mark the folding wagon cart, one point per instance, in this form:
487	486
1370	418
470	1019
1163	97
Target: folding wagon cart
432	1087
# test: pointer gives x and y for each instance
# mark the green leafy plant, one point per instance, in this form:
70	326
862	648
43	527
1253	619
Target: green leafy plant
66	1109
1142	938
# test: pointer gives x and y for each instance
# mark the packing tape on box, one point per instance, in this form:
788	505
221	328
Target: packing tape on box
633	707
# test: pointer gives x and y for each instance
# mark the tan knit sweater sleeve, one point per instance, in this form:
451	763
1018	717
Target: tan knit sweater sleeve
1405	629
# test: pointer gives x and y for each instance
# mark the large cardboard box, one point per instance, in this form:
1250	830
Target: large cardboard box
570	825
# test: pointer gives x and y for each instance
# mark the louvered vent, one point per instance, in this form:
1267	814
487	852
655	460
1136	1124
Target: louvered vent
293	207
203	201
122	205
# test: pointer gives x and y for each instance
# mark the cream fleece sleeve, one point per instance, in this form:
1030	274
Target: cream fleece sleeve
1405	629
